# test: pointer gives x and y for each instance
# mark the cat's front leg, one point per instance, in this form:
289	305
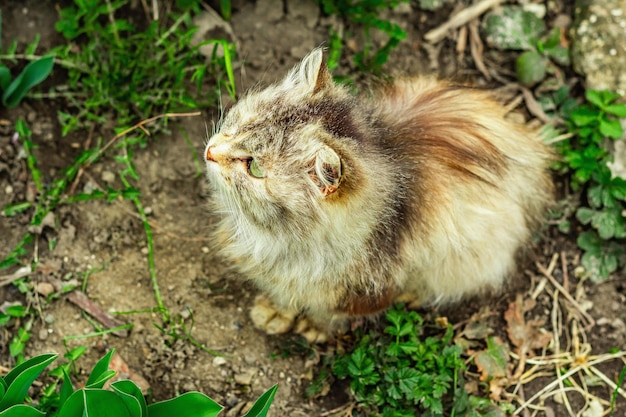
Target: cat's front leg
270	318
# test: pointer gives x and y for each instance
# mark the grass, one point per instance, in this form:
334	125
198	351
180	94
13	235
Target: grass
140	74
412	365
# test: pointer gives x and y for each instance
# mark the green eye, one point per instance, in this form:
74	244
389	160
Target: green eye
254	169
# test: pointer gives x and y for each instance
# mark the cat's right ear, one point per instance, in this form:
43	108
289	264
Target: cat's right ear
312	74
327	171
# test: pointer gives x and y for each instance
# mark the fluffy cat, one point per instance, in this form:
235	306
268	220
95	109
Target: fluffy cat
336	206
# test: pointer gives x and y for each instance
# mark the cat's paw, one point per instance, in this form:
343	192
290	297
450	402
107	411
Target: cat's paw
270	319
310	332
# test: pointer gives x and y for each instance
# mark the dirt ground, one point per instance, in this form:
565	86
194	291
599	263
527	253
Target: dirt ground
107	241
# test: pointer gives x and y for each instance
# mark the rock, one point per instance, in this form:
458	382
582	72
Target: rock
245	377
108	177
219	361
598	39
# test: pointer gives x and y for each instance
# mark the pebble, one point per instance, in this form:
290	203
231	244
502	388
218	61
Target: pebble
43	334
44	288
108	176
245	377
8	189
219	361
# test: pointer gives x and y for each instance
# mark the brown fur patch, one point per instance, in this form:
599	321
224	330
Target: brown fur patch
360	303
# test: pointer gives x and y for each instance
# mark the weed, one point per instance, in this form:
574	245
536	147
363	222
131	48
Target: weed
124	398
14	90
512	28
398	374
586	156
364	14
117	71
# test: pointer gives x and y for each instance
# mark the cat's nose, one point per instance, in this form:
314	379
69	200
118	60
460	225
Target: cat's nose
208	155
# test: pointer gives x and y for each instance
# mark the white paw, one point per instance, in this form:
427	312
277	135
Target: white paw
268	318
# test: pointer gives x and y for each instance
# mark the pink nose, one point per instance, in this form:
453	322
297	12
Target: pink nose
208	155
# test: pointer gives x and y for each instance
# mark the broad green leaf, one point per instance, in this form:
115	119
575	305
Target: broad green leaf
618	110
263	403
595	97
611	128
21	410
590	242
493	361
584	115
510	27
189	404
34	73
530	68
95	403
100	368
67	389
131	394
5	77
102	379
559	54
20	378
584	215
609	223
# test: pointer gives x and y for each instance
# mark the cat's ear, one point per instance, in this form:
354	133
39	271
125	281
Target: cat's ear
312	74
327	170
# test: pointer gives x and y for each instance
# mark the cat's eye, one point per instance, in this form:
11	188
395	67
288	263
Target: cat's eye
254	169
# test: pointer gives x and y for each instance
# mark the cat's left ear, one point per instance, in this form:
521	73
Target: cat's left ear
327	173
312	73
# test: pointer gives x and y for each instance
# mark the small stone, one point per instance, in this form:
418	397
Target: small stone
219	361
245	377
8	189
44	288
42	334
31	116
108	176
148	210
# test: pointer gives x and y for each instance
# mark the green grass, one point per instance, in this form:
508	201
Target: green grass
140	74
409	369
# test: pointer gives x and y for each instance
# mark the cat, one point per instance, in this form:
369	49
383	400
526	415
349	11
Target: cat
337	206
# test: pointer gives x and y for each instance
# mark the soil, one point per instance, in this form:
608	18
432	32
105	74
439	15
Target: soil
107	244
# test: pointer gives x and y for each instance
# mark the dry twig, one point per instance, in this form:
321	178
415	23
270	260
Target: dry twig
460	19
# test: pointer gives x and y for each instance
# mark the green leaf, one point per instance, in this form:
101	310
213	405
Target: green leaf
100	371
66	389
493	361
611	128
34	73
94	403
189	404
131	394
530	68
618	110
584	215
584	115
5	77
595	97
21	410
20	378
510	27
262	404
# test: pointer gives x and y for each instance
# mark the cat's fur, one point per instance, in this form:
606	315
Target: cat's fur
422	192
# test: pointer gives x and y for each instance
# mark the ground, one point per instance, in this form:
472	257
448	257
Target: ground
107	243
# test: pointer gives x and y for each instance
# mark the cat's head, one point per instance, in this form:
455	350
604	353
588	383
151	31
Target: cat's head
281	154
